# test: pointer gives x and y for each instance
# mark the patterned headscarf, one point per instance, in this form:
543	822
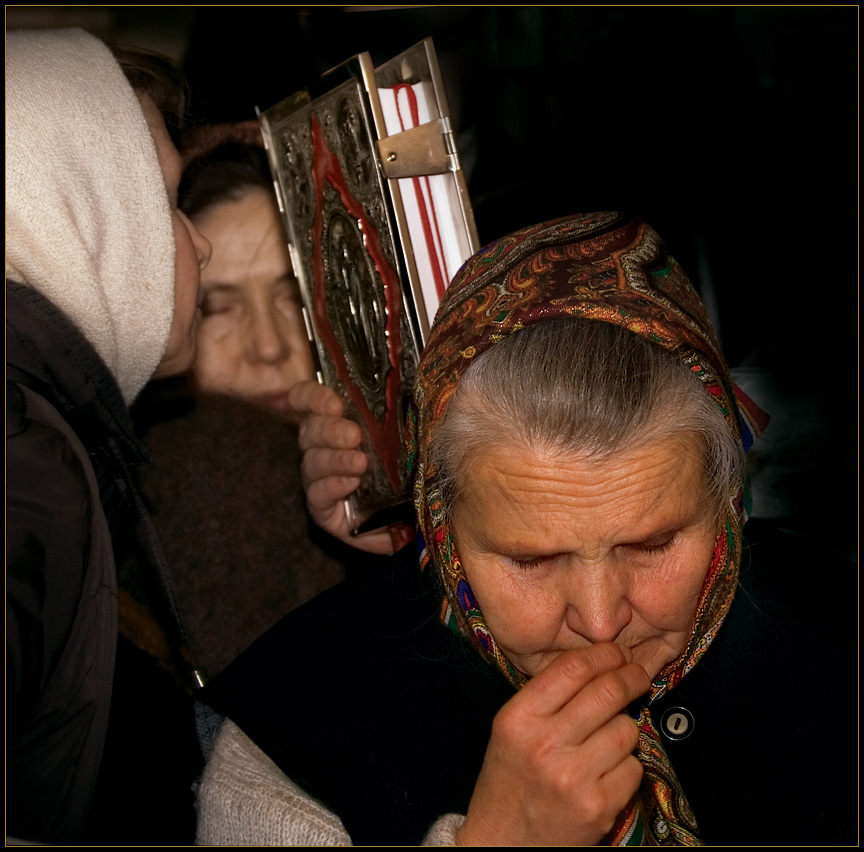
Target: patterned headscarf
610	268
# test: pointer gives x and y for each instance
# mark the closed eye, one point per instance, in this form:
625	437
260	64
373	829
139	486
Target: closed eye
653	546
219	299
210	309
525	564
528	563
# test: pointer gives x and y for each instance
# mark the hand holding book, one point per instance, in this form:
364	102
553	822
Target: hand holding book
332	468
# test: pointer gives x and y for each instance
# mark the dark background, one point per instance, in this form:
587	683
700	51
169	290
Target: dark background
732	130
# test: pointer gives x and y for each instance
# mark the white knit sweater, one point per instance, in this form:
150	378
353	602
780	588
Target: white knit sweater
244	799
88	223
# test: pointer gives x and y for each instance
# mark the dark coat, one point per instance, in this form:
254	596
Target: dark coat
377	710
71	507
227	501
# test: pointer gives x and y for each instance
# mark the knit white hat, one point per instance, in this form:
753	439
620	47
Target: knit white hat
88	222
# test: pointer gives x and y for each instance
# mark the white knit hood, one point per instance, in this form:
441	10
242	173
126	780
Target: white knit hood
88	222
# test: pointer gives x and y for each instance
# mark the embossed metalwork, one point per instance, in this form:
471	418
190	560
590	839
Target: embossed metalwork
295	150
356	303
348	244
326	216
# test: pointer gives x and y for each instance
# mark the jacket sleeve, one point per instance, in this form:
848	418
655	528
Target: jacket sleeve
244	799
61	623
48	524
443	831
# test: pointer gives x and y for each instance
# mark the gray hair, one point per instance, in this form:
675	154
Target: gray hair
581	386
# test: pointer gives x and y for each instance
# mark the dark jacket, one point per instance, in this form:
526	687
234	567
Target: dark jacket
374	708
70	505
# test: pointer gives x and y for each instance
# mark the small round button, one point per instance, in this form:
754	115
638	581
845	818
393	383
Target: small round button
677	723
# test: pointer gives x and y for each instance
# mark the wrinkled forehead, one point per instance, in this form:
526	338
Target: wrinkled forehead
604	267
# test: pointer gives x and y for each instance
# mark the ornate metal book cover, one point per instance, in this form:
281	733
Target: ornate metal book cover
378	221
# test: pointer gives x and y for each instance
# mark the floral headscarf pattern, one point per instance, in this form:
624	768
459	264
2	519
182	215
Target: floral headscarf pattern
604	267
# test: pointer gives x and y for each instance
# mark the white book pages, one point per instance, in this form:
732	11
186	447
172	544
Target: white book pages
432	209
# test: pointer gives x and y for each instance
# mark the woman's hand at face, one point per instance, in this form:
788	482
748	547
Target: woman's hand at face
559	766
332	466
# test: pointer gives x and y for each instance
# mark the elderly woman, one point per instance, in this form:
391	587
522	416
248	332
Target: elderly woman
102	277
577	449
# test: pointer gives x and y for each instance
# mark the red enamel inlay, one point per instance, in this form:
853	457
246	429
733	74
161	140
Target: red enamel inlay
384	435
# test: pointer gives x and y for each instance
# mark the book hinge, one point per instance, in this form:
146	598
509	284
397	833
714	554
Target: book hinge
450	143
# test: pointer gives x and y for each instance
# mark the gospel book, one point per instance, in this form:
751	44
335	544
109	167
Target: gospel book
378	221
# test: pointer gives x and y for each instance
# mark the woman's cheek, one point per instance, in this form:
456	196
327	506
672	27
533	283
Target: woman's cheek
522	611
684	572
218	354
217	327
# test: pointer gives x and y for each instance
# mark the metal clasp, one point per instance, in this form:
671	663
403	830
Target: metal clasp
423	150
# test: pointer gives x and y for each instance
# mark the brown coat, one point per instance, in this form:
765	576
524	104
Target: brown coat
226	498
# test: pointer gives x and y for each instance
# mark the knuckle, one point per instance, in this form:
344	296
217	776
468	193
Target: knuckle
631	776
514	726
317	493
638	770
626	733
303	433
568	781
588	663
311	464
351	433
612	690
574	666
329	401
507	723
312	432
594	803
330	430
306	470
638	677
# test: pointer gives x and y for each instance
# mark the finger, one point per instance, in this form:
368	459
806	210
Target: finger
309	397
615	790
331	516
378	541
323	464
324	498
568	675
326	501
609	745
330	432
601	700
401	534
600	803
622	782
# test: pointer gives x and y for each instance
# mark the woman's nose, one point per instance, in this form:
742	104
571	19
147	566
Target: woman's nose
266	342
597	606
